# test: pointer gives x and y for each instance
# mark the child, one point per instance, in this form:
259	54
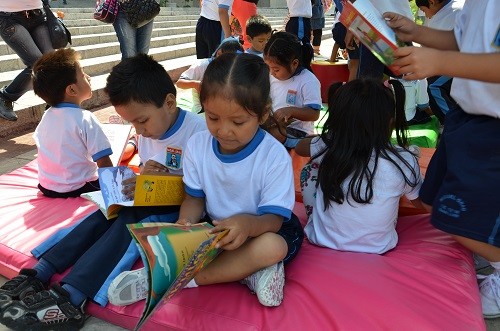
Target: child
258	31
233	154
462	181
295	92
191	78
351	188
70	141
212	26
143	94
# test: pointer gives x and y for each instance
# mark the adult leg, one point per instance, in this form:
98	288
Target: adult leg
143	37
126	35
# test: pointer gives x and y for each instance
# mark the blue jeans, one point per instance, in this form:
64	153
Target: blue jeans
132	41
29	44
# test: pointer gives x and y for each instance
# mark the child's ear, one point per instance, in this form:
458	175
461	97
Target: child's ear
70	90
170	102
295	64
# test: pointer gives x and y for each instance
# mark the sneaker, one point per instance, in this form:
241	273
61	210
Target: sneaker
7	110
415	150
490	295
46	310
268	284
19	287
129	287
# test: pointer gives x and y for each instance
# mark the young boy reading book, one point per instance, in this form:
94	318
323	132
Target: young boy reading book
70	141
143	94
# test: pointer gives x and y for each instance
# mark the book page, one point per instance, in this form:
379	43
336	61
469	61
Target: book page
158	190
110	180
118	135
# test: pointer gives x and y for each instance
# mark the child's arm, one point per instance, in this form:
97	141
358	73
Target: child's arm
192	209
409	31
187	84
104	162
303	114
303	147
131	148
244	226
224	21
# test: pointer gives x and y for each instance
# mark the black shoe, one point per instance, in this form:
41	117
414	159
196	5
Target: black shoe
46	310
7	110
19	287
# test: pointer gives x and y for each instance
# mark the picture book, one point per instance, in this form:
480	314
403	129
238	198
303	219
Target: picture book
118	135
369	27
150	190
172	254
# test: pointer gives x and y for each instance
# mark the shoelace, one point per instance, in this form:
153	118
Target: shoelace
491	284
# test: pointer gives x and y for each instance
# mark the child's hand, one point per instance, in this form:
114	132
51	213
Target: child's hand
404	27
238	232
283	115
184	221
416	62
152	168
128	188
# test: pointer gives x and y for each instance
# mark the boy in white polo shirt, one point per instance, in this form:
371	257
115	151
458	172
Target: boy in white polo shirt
71	143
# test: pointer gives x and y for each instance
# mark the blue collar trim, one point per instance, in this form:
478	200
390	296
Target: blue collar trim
67	105
246	151
177	125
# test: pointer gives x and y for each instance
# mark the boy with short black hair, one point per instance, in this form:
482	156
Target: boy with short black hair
99	250
258	30
70	141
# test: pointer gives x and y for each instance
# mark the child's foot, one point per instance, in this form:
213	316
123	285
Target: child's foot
490	295
129	287
46	310
268	284
19	287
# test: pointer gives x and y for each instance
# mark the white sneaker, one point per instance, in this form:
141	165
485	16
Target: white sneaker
129	287
490	295
268	284
415	150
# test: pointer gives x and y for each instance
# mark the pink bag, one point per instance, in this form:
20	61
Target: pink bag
106	10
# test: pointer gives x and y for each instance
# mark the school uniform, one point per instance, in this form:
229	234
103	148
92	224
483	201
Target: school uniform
101	249
251	51
355	227
69	141
303	89
209	33
416	97
256	180
462	180
300	12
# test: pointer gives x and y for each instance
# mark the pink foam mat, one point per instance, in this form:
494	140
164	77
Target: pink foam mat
426	283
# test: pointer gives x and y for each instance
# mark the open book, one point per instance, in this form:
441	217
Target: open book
118	135
172	254
150	190
368	25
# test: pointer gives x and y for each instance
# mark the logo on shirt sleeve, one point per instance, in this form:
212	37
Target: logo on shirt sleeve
291	97
173	158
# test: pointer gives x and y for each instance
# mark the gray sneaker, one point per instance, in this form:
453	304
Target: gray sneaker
268	284
7	110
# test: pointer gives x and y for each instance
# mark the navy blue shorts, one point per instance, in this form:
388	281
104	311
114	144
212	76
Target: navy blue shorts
462	182
339	32
293	234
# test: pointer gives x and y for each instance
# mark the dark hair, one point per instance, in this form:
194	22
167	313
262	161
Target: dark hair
285	47
422	3
231	46
140	79
362	115
53	72
257	25
243	78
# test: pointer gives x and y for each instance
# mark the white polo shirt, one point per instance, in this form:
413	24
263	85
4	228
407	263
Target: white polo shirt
69	141
477	30
257	180
299	8
444	19
210	8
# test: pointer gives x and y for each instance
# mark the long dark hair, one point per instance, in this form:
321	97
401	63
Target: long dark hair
285	47
362	116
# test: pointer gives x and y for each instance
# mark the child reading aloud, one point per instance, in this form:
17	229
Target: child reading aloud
100	249
352	185
70	141
462	181
295	91
242	178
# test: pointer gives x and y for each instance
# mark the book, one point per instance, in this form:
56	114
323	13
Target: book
150	190
118	135
172	254
367	24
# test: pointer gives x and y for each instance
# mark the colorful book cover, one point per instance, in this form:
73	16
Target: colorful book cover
173	254
369	27
150	190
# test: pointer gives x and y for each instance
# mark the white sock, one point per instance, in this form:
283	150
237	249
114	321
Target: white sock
496	265
191	284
